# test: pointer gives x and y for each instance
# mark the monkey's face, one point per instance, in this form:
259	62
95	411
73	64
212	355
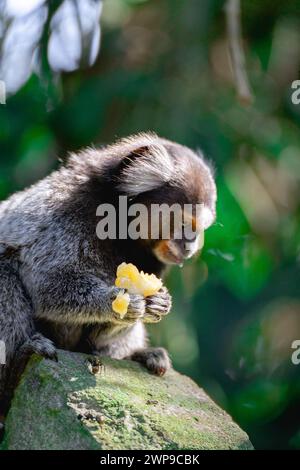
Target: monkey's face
186	240
186	236
175	223
155	171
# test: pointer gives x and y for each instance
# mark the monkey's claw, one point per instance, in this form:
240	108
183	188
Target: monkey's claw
157	306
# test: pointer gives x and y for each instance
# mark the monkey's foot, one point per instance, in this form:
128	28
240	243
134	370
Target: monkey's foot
157	306
40	345
156	360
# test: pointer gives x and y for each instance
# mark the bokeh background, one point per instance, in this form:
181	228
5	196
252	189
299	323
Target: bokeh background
77	73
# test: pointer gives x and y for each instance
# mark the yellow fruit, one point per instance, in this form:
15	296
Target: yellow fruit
149	284
120	304
135	282
128	270
128	277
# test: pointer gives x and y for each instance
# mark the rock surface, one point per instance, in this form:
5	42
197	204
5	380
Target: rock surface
74	405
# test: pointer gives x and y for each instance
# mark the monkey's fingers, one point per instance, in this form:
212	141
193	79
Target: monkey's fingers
157	306
135	311
136	308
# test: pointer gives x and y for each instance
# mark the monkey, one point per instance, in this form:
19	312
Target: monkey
57	277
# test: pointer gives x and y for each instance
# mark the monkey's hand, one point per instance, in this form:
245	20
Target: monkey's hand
135	311
157	306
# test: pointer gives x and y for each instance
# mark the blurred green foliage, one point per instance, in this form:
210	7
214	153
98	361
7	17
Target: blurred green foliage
163	65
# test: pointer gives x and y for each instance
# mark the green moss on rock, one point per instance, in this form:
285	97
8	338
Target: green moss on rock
64	406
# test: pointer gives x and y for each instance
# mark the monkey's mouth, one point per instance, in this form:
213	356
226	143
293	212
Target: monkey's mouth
167	253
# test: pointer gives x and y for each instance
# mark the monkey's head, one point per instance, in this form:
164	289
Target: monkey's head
155	172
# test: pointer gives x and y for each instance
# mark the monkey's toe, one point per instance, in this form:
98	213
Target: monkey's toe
156	360
40	345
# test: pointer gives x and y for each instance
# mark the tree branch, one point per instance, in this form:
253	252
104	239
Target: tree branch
234	31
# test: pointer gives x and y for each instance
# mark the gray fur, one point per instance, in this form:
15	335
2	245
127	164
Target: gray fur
56	276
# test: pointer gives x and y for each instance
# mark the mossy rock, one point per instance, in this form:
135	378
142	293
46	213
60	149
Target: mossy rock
66	405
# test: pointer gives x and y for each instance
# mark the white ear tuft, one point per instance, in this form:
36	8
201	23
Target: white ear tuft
148	171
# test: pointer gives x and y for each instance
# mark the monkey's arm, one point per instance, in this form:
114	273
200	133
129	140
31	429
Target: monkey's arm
82	298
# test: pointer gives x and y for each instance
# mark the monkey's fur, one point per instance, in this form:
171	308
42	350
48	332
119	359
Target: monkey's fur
57	278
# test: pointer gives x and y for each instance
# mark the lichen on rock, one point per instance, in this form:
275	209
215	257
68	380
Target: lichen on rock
120	405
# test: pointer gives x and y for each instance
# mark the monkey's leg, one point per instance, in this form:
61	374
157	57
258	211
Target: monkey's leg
156	360
116	340
17	332
130	344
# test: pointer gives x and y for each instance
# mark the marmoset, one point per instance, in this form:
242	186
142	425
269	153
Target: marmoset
58	277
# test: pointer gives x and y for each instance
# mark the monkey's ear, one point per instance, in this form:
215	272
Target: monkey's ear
145	169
